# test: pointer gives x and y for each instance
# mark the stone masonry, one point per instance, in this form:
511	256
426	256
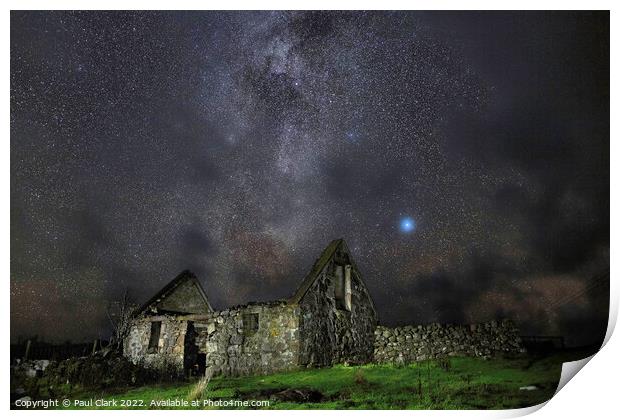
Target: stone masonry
422	342
330	319
228	348
329	335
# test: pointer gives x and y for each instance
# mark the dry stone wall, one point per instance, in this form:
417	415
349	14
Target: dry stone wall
422	342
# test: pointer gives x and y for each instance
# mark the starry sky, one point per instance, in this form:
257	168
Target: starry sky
463	156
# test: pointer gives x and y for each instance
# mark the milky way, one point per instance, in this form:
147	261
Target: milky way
239	144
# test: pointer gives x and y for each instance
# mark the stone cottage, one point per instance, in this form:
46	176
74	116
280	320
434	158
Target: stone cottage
330	319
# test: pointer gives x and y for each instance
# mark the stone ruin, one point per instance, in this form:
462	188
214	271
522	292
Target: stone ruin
330	319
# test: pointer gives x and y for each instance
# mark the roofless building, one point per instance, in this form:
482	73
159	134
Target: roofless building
330	319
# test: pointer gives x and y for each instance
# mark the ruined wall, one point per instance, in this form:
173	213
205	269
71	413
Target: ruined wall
231	350
185	298
414	343
170	349
329	335
226	346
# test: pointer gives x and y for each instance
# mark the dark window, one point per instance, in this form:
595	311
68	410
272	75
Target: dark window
155	332
250	323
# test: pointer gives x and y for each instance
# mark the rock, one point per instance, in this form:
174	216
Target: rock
298	395
236	339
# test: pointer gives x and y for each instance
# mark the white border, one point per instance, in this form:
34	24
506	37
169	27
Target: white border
592	395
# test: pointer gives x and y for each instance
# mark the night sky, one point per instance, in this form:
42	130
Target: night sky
464	157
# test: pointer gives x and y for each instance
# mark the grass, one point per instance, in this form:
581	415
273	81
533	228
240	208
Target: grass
199	391
456	383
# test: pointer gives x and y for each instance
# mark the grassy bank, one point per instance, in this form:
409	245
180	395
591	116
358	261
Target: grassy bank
456	383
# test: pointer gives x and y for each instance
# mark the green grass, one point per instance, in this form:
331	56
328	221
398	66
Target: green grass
466	383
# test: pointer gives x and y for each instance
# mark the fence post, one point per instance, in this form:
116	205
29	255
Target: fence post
27	352
94	346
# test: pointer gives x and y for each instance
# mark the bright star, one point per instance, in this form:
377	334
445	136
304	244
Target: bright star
407	225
